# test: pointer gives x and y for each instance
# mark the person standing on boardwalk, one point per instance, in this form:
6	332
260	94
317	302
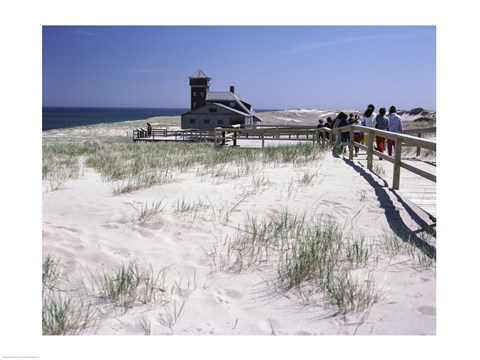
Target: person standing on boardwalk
381	124
351	118
319	126
344	136
357	135
394	125
329	124
149	129
368	120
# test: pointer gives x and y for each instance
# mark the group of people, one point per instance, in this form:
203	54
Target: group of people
391	122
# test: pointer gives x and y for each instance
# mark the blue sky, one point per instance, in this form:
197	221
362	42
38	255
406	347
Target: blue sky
328	67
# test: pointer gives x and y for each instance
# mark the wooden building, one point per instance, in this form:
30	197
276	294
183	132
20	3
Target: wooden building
211	109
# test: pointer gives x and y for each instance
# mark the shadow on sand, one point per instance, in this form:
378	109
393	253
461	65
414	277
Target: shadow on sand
394	219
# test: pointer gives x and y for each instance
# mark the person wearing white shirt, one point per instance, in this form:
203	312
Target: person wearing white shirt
394	125
368	120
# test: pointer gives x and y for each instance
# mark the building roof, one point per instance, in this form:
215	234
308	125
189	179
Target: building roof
213	96
199	74
244	113
204	110
221	96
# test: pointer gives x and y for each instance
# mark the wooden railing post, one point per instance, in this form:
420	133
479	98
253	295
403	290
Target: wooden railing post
418	147
397	162
371	139
350	144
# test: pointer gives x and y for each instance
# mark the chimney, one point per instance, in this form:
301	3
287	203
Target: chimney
232	89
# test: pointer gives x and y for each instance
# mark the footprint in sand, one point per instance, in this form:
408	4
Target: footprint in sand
70	229
110	226
427	310
157	225
337	207
303	332
116	326
227	295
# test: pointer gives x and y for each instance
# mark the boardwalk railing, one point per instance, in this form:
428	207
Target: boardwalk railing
419	133
401	140
169	134
221	135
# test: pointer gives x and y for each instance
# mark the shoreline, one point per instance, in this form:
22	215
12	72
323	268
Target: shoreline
302	117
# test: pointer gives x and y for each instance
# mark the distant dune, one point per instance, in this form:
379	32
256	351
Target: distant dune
307	117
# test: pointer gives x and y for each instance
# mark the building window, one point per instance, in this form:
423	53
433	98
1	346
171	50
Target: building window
194	93
212	110
232	104
220	122
192	121
206	121
202	94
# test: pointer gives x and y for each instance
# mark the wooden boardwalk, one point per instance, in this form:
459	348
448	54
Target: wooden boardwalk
414	188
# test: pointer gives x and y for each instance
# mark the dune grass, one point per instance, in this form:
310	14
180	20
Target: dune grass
128	285
145	324
171	315
146	212
62	313
132	166
392	246
70	309
314	256
51	271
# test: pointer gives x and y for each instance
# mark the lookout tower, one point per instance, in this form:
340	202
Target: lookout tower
211	109
199	85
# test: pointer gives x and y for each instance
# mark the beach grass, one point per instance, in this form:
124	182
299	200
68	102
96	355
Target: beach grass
51	271
71	310
315	257
128	285
171	314
129	166
391	245
63	313
147	212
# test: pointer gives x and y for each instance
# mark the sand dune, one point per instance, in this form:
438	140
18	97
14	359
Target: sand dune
192	241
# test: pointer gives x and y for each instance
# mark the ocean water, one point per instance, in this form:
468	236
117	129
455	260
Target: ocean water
66	117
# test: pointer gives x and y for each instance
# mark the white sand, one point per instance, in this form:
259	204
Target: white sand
90	230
